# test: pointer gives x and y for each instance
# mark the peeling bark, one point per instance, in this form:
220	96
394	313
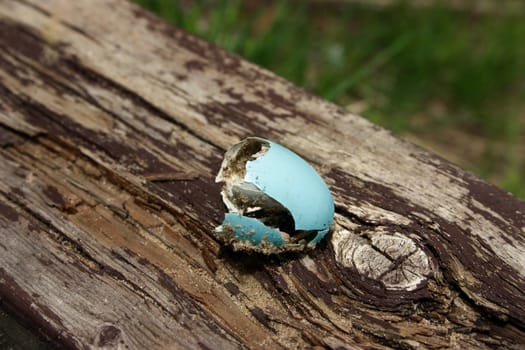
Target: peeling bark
113	125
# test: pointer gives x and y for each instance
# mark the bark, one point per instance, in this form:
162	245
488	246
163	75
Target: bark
113	125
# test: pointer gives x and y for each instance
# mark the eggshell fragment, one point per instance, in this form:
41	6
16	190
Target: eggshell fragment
276	201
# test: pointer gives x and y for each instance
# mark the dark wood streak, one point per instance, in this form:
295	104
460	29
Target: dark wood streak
38	314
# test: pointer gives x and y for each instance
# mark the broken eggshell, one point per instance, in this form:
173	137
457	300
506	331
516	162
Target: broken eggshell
276	201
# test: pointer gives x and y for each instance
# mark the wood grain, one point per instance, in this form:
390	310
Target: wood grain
113	125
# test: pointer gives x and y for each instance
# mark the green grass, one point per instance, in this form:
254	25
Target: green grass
418	71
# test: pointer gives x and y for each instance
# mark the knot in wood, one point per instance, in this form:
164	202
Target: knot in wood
392	258
109	336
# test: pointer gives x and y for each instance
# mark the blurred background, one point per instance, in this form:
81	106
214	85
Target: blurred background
448	75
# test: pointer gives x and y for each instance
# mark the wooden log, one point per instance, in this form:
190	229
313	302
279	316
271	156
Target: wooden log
113	125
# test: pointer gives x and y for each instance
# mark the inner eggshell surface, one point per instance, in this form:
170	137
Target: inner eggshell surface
276	201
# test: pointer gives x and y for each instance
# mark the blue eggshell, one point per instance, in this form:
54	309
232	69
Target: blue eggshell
252	230
290	180
287	179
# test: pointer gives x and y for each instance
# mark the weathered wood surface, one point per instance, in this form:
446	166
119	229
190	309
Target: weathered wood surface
112	127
